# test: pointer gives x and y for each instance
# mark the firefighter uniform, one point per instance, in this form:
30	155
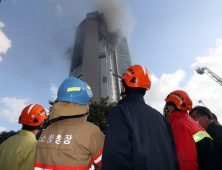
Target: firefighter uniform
138	137
70	144
195	147
18	152
215	131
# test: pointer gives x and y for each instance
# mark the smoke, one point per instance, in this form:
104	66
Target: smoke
117	14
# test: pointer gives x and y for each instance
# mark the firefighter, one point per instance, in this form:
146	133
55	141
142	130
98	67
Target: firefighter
195	148
18	152
137	136
204	117
71	142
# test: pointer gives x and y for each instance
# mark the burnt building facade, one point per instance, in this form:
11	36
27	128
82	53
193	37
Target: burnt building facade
99	57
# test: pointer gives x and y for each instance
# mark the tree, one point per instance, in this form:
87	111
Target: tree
5	135
49	122
98	111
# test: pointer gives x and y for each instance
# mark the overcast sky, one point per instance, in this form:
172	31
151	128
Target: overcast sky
170	38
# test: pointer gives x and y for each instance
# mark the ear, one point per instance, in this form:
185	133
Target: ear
41	125
123	88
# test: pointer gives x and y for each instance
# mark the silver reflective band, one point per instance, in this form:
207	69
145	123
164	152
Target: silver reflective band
200	135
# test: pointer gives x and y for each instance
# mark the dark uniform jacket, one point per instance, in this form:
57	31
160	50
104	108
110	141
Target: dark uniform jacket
215	131
138	137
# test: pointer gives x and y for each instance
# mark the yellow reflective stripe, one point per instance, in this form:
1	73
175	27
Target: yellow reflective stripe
200	135
73	89
88	87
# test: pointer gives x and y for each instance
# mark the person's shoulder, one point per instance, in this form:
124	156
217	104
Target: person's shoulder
28	141
181	122
8	141
90	127
117	107
213	126
151	108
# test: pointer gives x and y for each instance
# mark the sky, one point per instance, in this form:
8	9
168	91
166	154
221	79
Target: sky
170	38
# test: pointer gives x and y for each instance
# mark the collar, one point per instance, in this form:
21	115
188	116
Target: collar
76	119
177	114
211	125
132	97
27	133
67	109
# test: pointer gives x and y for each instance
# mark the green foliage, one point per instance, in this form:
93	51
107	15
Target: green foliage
47	123
5	135
98	111
51	103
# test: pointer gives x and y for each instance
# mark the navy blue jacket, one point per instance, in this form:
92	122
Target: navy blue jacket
215	131
138	138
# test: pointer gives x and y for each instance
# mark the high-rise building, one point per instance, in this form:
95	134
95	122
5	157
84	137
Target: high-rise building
99	57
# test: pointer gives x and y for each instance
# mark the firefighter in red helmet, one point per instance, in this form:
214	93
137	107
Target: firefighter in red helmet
137	136
195	148
18	152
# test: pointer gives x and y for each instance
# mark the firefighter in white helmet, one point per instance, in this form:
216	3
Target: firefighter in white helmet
18	152
72	142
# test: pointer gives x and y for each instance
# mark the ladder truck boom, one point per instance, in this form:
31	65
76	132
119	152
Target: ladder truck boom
202	70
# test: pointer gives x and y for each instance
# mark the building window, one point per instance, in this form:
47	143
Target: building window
104	79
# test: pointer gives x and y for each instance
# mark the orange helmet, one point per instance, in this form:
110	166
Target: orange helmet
181	100
33	115
137	76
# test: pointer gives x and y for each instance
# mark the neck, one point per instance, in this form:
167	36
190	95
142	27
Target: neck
35	132
207	123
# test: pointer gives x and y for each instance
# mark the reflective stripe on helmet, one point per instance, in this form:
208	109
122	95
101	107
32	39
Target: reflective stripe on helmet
200	135
73	89
144	70
30	108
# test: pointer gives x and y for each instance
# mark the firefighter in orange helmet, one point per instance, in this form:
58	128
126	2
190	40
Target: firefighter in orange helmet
195	148
137	136
18	152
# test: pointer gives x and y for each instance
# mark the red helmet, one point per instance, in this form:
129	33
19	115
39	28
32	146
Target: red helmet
181	100
137	76
33	115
